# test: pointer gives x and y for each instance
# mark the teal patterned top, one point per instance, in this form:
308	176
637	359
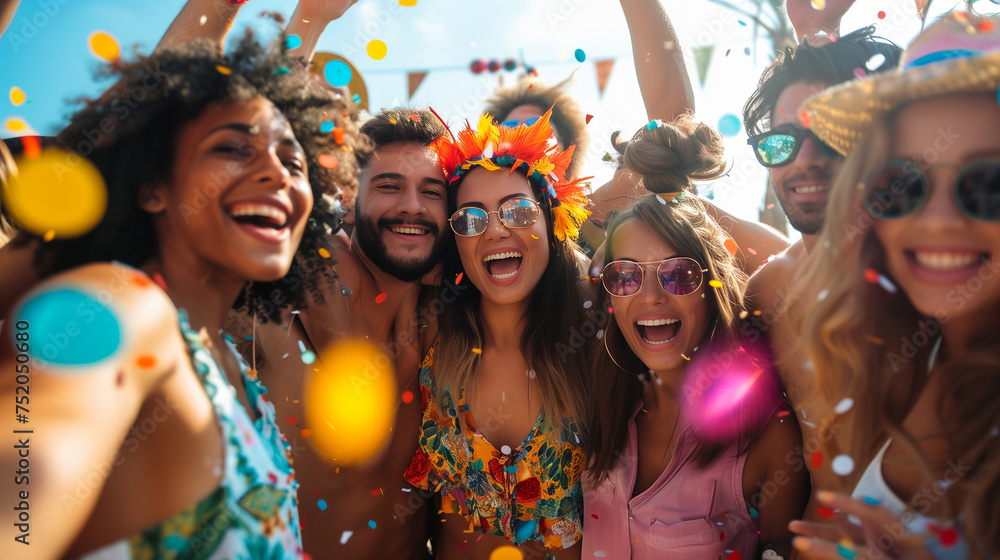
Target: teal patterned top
254	512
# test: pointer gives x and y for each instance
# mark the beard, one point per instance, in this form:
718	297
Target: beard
408	269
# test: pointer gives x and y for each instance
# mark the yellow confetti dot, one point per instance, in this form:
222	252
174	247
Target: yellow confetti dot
477	350
17	96
408	3
324	253
393	121
49	235
16	124
715	283
350	402
377	49
104	46
57	191
757	313
819	4
505	552
743	314
223	70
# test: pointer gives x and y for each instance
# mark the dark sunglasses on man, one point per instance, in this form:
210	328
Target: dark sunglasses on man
780	146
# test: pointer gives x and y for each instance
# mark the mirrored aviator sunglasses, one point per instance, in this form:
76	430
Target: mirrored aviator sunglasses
899	188
678	276
779	147
514	213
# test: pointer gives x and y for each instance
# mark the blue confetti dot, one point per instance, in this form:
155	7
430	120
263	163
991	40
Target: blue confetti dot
371	523
651	125
729	125
743	23
871	501
337	73
753	513
70	328
308	357
281	70
326	126
293	41
845	552
746	51
322	505
580	55
357	98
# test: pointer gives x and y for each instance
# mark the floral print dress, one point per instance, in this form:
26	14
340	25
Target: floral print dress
531	493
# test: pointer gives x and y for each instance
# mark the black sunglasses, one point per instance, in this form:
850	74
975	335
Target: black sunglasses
775	148
899	188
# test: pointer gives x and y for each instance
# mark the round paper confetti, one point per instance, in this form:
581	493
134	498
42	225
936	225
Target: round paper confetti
305	432
746	51
145	362
730	125
322	505
505	449
842	465
580	55
62	336
293	41
326	126
819	4
881	15
408	3
350	402
754	514
506	552
715	283
377	49
372	524
816	459
949	536
875	62
16	124
104	46
57	191
225	71
844	405
381	298
337	73
458	279
324	253
587	304
408	397
845	552
308	357
17	96
327	161
731	246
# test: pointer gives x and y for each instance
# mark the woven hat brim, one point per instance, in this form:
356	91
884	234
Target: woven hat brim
841	115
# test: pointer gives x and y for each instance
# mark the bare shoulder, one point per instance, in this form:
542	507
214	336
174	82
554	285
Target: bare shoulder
769	285
775	449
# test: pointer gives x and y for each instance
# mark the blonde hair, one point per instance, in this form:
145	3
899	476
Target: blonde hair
874	346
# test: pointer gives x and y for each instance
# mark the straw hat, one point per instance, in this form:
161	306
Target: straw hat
955	55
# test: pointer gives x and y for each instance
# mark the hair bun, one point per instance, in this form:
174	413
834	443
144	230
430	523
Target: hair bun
671	155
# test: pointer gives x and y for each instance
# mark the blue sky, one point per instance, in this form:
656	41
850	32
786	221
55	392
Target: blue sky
44	52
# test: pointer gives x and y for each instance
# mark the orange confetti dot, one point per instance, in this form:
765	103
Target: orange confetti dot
223	70
338	135
805	118
104	46
415	117
458	279
380	298
32	146
327	161
141	280
49	235
393	121
477	350
17	96
305	432
408	397
871	276
731	246
985	26
146	362
324	253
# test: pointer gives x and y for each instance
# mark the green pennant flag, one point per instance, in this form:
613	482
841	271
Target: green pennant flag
702	58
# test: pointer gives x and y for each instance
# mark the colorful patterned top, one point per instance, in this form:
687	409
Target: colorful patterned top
254	512
531	493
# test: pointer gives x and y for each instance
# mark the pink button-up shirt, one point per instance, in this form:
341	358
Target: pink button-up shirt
688	512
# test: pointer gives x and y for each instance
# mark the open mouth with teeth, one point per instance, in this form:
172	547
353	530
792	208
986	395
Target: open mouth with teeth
408	230
810	189
946	260
658	331
261	220
503	265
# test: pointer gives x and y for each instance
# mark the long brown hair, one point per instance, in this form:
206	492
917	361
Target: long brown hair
553	330
874	347
668	156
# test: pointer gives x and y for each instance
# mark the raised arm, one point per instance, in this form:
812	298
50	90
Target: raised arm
310	20
659	60
188	25
808	21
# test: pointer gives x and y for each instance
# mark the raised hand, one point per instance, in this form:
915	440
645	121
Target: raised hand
807	20
324	11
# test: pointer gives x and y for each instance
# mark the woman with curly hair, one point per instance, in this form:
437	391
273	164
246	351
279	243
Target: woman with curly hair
670	474
903	329
158	441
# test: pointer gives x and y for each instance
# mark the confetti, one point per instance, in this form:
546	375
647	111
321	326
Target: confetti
822	295
356	98
305	432
875	62
805	118
826	512
203	20
746	51
338	134
458	279
372	524
948	537
17	96
751	250
293	41
381	298
324	253
731	246
505	449
54	319
322	505
346	534
871	276
32	146
16	124
408	3
49	235
223	70
308	357
580	55
506	552
600	334
589	117
337	73
734	555
651	125
741	22
327	161
819	4
58	191
870	501
842	465
729	125
376	49
881	15
744	314
281	70
860	73
146	362
715	283
477	350
587	304
594	515
770	206
844	405
291	420
816	459
408	397
104	46
753	513
845	552
415	117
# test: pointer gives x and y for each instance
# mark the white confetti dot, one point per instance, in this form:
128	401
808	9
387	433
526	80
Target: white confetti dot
822	295
842	465
344	536
807	365
886	284
599	554
203	20
505	450
600	334
875	62
302	347
531	373
587	304
844	405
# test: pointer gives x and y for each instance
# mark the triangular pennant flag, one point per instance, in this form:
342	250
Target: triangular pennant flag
702	58
414	80
603	69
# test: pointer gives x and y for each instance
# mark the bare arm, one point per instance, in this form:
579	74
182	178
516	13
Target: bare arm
808	22
310	20
188	26
659	60
7	10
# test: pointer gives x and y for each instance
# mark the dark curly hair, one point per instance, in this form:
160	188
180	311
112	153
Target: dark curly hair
829	64
399	125
130	134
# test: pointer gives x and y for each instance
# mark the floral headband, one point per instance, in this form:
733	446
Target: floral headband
528	149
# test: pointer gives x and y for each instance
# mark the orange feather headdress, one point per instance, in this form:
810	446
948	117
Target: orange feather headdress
529	149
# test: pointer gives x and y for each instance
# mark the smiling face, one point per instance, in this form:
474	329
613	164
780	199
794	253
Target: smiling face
802	186
505	264
401	212
659	327
238	198
944	260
